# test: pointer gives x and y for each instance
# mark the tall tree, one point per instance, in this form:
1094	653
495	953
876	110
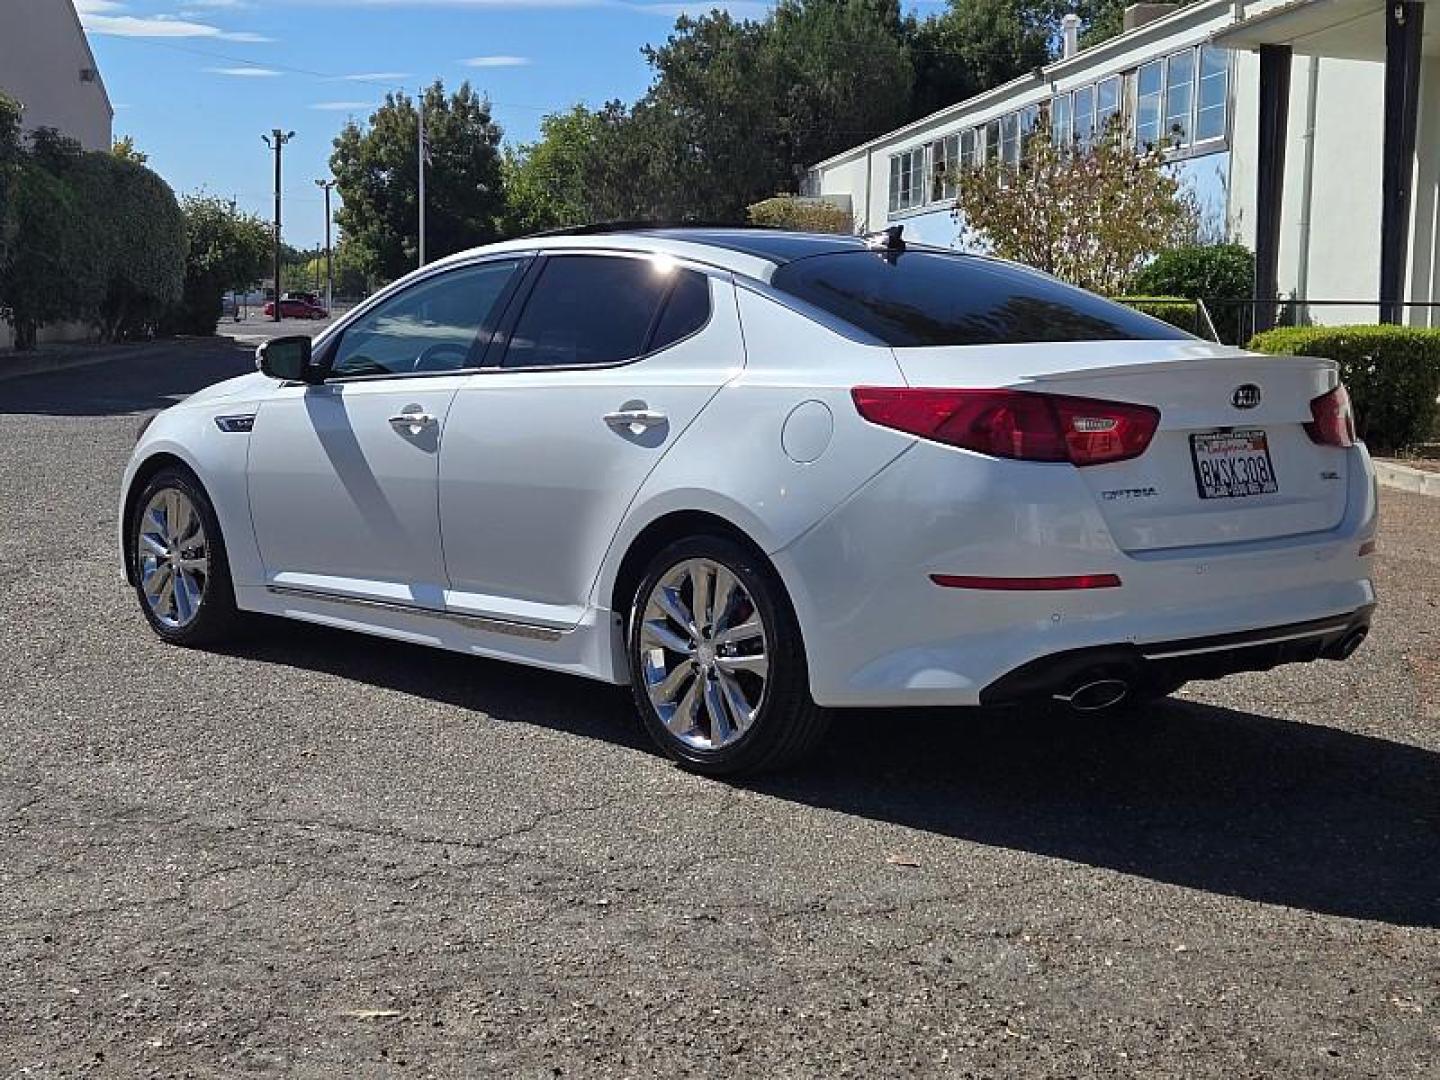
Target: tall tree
375	172
545	181
975	45
226	251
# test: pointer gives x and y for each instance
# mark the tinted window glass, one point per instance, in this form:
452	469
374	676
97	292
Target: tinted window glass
686	310
588	309
432	326
927	298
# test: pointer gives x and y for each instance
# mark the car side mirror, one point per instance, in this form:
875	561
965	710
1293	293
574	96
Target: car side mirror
286	358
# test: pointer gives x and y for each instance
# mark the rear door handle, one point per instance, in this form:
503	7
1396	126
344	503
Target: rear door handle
633	418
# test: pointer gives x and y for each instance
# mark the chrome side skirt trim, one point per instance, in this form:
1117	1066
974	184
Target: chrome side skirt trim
478	622
1248	643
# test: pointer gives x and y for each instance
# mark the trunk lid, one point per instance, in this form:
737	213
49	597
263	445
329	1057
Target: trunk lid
1153	502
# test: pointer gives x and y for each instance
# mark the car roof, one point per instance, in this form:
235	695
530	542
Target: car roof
755	253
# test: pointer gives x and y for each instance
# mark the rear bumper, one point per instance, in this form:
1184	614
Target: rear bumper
1162	663
880	632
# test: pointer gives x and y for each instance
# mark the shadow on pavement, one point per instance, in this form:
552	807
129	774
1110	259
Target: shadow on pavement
155	378
1229	802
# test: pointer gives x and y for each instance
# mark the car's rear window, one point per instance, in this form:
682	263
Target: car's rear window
931	298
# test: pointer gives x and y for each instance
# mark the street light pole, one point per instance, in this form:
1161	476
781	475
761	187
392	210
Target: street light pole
277	140
329	266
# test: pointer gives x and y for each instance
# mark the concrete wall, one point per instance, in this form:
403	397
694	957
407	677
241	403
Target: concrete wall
42	53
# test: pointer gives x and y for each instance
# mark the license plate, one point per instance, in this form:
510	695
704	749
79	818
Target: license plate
1232	464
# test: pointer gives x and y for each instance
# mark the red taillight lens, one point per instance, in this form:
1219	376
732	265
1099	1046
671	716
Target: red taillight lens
1334	423
1014	423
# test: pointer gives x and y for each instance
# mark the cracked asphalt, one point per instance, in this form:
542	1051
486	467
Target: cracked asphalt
322	855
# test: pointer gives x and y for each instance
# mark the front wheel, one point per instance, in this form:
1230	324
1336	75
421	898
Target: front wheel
716	662
182	577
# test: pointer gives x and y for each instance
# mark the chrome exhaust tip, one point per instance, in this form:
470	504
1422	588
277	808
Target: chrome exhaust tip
1096	695
1349	643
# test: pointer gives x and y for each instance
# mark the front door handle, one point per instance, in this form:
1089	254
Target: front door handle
635	418
413	418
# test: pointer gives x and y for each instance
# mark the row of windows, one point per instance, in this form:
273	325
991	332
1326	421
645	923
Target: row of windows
1173	103
583	311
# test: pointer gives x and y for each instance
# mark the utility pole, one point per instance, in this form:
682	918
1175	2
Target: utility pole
326	185
422	155
276	140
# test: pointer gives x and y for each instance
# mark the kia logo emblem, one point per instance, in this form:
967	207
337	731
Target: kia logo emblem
1245	397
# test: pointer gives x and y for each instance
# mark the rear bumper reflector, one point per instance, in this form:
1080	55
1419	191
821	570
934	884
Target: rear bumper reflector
1027	584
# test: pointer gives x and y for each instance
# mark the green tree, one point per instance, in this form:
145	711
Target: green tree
545	181
124	149
375	171
147	244
975	45
227	250
1092	217
37	281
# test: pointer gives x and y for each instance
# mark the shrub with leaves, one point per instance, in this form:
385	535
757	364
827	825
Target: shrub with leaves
1204	272
1092	216
801	214
1175	310
226	251
1392	373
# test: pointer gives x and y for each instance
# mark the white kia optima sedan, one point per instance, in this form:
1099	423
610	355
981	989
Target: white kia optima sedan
758	475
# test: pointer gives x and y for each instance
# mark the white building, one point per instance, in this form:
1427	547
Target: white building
46	65
1309	161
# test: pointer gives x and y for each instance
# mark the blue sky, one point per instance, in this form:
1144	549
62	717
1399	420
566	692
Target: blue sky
197	82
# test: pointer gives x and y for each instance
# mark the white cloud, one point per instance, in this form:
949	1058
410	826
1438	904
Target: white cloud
160	27
246	72
229	5
496	61
98	7
341	106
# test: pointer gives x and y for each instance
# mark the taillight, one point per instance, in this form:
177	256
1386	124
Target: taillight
1014	423
1334	423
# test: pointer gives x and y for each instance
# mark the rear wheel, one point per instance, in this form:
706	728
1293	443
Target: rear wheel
716	662
182	577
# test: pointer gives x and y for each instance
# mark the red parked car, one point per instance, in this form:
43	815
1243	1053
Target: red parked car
296	307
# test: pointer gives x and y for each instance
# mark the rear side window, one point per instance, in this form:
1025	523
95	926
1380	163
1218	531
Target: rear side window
929	298
589	310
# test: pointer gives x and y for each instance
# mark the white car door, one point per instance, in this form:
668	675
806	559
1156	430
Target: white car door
611	357
342	475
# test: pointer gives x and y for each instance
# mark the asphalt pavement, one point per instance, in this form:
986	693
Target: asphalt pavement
323	855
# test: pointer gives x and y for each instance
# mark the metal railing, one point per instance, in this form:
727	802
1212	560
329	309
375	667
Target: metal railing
1234	317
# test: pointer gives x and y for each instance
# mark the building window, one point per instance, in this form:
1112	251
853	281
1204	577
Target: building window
907	179
944	161
1149	89
1085	116
992	142
1010	138
1179	97
1060	131
1107	102
970	149
1214	74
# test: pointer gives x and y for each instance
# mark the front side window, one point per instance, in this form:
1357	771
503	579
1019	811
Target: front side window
921	298
440	324
592	310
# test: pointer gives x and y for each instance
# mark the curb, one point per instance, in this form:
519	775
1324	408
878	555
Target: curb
1404	478
14	365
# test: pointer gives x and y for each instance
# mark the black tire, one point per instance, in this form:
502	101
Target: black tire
216	619
787	724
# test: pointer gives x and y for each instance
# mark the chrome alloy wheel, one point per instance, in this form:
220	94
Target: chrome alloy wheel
703	654
172	556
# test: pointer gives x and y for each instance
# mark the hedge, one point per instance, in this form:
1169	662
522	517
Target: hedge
1392	372
801	213
1204	271
1175	310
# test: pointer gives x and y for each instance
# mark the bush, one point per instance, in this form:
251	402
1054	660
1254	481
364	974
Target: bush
1175	310
801	214
1392	372
1204	272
